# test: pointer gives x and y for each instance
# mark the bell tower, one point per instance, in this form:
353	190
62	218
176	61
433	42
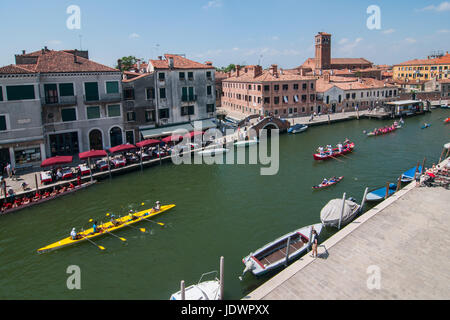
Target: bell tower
323	51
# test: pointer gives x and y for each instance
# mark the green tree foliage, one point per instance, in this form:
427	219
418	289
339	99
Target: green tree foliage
127	62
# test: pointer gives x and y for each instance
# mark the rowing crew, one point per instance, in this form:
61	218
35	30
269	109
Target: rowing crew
329	148
325	181
98	229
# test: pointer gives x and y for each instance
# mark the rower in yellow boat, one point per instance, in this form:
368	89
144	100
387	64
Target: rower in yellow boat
74	234
132	216
157	207
114	222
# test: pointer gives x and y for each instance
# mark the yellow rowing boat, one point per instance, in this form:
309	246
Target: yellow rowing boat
105	228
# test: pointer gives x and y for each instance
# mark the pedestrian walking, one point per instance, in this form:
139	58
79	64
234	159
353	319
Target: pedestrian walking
8	170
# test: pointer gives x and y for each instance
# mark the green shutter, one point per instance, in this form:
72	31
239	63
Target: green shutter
2	123
1	94
68	114
162	93
91	89
112	87
191	93
20	92
66	90
93	112
184	93
114	110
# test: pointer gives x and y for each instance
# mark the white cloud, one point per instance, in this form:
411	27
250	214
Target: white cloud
443	31
54	42
410	40
275	38
443	6
213	4
236	49
389	31
134	36
346	47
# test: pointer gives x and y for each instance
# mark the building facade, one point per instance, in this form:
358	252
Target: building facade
337	94
423	69
253	91
76	105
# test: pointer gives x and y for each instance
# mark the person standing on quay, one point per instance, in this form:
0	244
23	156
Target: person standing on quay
315	242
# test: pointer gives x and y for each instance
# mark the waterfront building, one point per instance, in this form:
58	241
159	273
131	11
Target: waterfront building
423	69
184	92
337	93
59	103
254	91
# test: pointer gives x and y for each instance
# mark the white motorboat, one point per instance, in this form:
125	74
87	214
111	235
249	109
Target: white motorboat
203	290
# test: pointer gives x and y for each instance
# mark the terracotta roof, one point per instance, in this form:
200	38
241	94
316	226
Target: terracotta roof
179	62
57	62
310	62
442	60
347	83
136	76
267	76
14	69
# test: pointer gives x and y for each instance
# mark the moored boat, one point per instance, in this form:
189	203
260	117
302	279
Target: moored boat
380	193
298	128
246	143
335	210
346	149
426	125
447	120
203	290
213	152
329	182
273	255
408	176
105	228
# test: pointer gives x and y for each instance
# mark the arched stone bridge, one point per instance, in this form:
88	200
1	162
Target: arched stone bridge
272	123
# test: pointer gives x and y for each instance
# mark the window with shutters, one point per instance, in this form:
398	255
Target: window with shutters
21	92
68	114
93	112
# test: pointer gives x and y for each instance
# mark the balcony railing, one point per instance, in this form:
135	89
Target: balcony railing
105	98
189	98
59	101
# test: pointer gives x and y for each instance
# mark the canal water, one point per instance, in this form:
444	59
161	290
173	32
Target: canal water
221	210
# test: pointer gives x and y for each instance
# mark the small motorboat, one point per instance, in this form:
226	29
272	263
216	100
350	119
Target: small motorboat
331	213
380	194
329	182
325	156
273	255
447	120
408	176
246	143
206	290
298	128
426	125
213	152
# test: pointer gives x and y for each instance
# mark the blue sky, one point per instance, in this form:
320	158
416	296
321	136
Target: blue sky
227	31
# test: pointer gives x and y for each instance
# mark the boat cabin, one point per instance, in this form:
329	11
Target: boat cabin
404	107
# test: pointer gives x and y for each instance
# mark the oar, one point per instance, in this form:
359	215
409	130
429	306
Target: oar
100	247
123	239
140	229
345	156
160	223
336	158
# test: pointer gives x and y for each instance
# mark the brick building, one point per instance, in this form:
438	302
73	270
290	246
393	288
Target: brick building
252	90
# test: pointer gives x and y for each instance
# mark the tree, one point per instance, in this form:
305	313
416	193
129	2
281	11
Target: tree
230	67
127	62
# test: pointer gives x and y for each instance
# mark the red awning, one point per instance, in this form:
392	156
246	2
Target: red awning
147	143
193	134
122	148
173	138
92	154
56	160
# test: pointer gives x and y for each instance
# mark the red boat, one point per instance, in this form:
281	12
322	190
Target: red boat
328	183
346	149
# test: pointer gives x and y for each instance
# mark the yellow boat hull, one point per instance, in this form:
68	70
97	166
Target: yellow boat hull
108	226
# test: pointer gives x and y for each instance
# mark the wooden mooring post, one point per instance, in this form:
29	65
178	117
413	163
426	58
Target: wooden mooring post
387	190
399	183
182	290
342	211
221	276
423	166
363	201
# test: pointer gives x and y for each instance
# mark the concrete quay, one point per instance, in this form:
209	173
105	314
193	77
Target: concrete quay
397	250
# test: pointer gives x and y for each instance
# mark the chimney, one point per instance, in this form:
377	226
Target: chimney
326	77
45	48
23	51
302	72
75	56
208	63
171	62
238	68
160	57
119	64
274	69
